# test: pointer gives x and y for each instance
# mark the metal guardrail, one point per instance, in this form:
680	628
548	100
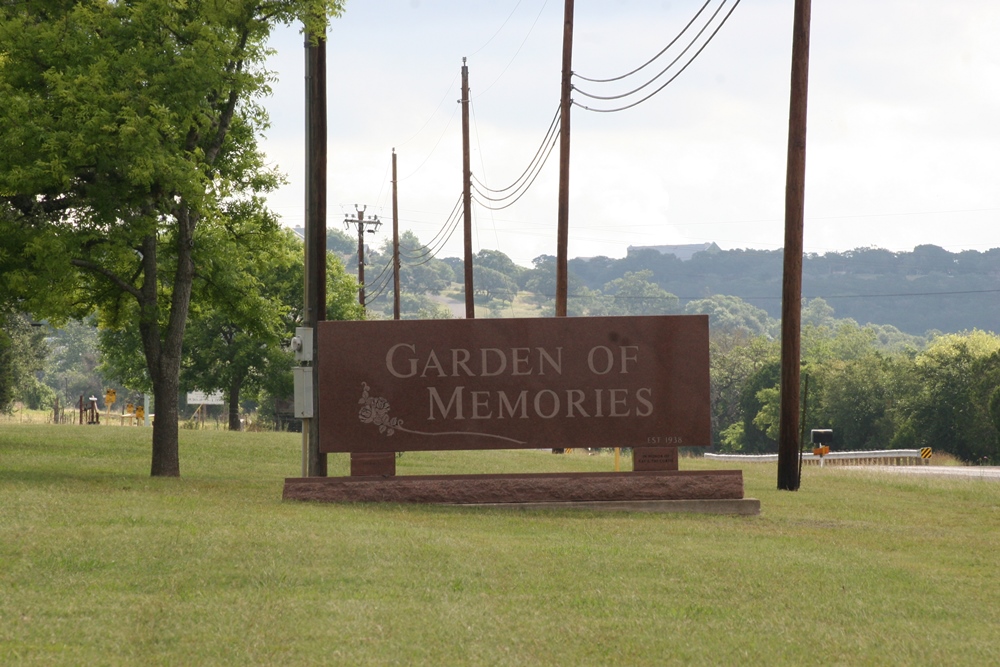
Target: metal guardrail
876	457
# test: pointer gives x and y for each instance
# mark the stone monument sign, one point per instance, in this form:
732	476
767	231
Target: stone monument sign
389	386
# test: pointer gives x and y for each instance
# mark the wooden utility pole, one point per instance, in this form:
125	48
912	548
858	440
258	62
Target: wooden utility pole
470	305
562	233
315	230
362	224
395	242
361	256
791	285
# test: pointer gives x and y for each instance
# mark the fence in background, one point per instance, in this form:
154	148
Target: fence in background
877	457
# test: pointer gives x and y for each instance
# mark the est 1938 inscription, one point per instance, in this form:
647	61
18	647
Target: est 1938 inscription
665	440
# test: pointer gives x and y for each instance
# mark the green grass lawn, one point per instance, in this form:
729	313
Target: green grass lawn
99	564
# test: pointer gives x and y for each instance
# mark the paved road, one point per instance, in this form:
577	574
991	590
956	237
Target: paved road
974	472
457	308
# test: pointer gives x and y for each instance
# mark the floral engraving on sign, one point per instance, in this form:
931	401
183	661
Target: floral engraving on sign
375	410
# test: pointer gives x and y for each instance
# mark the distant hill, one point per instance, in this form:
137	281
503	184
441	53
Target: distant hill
926	289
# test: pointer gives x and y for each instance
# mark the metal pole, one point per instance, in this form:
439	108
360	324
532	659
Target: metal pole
562	233
315	232
791	286
395	242
470	306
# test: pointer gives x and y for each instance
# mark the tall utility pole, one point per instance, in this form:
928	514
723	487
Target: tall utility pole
395	242
362	223
470	305
315	232
791	284
562	233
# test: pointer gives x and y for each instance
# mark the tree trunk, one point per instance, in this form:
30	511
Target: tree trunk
234	404
166	456
163	353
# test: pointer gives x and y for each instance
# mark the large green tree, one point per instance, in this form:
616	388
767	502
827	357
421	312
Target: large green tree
238	342
129	130
736	357
732	314
637	294
948	404
250	301
855	397
72	366
22	357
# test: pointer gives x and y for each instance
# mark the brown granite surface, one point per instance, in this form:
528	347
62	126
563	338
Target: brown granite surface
373	464
743	506
514	383
553	487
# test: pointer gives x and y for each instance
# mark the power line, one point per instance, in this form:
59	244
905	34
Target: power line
776	298
482	163
447	93
514	57
523	182
505	21
430	249
666	83
553	128
654	58
436	144
669	65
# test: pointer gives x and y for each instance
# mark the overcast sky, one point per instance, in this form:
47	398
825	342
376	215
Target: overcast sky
903	139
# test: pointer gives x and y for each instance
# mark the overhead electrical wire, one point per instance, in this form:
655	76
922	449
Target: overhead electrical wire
379	284
426	252
372	296
436	144
432	252
654	58
444	227
514	57
670	64
410	256
664	71
493	203
483	195
452	84
482	163
506	20
553	127
775	298
385	277
447	93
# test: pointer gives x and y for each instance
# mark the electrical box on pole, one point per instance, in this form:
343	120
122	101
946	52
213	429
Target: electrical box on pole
303	384
302	344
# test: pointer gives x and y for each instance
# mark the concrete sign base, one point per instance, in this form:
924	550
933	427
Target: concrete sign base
523	488
743	507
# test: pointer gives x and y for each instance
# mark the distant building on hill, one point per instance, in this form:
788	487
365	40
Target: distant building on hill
681	252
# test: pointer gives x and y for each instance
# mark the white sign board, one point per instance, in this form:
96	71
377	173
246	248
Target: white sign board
201	398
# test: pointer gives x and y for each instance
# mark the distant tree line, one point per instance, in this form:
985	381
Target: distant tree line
876	385
924	291
928	289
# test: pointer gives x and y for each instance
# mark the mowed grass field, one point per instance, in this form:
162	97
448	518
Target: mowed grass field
102	565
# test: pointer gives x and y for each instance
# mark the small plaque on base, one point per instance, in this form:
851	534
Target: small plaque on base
654	458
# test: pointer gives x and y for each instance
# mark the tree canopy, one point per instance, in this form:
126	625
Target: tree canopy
129	143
